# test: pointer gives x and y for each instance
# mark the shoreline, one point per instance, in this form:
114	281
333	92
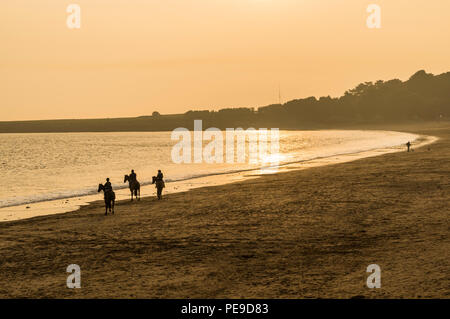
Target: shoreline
71	204
302	233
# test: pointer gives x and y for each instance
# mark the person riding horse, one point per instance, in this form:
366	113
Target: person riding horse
109	196
108	186
135	186
133	176
160	175
158	180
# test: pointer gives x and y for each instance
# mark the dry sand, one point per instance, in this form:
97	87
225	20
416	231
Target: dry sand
299	234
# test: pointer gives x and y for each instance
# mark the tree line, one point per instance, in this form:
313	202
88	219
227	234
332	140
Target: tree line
423	97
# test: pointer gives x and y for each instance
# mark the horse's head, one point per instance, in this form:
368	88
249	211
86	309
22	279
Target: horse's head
125	179
100	188
153	179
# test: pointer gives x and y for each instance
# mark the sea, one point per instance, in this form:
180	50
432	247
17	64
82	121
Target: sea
49	173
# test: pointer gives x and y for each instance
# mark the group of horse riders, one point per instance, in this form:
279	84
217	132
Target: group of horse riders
135	189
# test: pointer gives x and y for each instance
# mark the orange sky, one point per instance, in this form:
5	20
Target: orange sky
132	57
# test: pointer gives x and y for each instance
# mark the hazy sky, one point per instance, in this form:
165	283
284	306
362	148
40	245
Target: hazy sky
132	57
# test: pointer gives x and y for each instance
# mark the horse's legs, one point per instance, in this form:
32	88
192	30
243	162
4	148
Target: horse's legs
159	190
131	194
112	206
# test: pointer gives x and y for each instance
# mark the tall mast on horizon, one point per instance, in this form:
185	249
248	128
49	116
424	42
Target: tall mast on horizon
279	94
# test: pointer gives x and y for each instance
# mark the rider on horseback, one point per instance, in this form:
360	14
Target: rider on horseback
133	177
108	195
159	176
108	186
135	187
158	180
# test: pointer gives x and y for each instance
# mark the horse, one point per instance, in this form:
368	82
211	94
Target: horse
159	186
135	187
110	198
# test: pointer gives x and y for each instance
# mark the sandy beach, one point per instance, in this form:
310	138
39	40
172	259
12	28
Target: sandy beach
295	234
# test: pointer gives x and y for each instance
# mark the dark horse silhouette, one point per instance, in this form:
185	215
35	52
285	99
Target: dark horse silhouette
159	186
135	187
110	198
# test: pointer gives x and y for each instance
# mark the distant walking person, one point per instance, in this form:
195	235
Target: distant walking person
408	145
158	180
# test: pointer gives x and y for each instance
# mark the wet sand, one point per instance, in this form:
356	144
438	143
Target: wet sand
297	234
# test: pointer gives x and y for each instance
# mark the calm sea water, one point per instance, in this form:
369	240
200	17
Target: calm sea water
44	167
